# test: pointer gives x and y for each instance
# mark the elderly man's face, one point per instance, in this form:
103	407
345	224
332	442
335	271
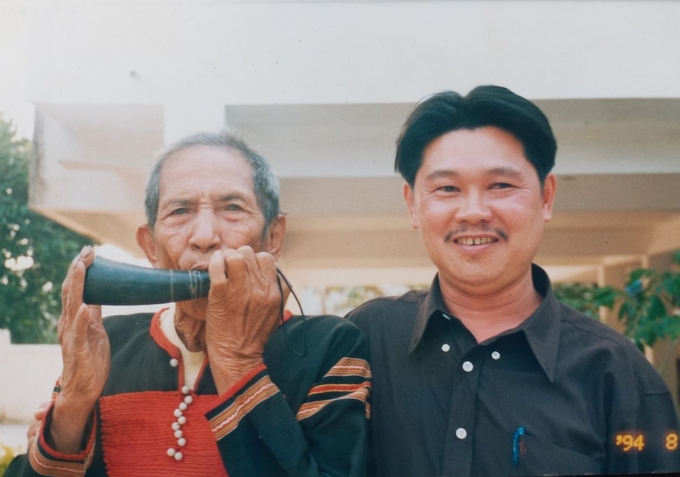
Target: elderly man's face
480	209
207	203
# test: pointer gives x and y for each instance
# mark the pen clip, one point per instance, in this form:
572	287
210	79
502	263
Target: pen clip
515	444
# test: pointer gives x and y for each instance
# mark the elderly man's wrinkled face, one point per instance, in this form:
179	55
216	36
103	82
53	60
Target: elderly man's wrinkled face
206	203
480	209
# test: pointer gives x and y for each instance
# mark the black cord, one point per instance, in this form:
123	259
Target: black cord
282	304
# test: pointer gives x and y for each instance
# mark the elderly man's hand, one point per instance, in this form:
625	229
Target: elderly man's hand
244	308
86	354
34	428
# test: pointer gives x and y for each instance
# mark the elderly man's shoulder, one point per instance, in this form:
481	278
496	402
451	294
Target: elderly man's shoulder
387	311
319	325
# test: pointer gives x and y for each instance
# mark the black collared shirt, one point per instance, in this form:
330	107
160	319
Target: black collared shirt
560	394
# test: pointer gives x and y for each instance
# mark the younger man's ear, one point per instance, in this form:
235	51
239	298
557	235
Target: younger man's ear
549	192
409	198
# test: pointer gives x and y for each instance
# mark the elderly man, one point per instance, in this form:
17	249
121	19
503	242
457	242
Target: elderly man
485	373
225	384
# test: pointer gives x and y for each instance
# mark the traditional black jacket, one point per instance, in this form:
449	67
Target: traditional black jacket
304	413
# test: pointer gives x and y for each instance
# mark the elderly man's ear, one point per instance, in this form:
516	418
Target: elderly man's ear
147	243
275	235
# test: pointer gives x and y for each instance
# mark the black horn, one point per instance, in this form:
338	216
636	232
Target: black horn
108	282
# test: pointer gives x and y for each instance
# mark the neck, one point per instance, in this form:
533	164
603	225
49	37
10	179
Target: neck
190	330
490	314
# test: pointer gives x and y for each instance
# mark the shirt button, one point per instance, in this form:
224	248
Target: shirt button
467	366
446	348
496	355
174	362
461	433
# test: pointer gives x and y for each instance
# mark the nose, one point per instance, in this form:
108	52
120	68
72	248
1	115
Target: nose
473	208
205	235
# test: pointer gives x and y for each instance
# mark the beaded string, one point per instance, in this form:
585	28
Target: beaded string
176	453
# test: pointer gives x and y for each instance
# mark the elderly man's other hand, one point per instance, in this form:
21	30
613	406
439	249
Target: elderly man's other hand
34	428
244	308
86	354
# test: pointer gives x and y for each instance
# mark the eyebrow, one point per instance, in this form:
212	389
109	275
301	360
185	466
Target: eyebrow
496	171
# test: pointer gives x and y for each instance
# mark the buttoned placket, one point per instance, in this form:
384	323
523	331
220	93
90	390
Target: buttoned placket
458	449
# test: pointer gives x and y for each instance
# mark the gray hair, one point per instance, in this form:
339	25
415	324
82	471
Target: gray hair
265	182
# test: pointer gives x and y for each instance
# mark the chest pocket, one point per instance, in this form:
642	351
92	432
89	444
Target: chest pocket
540	457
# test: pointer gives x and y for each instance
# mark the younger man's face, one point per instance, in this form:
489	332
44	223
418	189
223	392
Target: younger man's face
480	209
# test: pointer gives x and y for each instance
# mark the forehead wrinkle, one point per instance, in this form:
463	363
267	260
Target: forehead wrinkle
230	196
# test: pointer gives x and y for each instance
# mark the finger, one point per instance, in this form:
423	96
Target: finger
87	255
81	323
216	270
33	429
77	285
67	312
74	296
266	266
40	413
237	264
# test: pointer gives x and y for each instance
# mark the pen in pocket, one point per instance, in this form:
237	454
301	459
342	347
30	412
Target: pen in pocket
516	444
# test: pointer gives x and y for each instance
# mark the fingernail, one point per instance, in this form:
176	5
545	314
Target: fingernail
85	252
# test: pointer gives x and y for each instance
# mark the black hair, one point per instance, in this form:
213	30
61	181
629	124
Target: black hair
483	106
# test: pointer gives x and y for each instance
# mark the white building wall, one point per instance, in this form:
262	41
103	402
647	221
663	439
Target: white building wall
27	377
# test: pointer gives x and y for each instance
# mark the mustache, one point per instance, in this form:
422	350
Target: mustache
484	228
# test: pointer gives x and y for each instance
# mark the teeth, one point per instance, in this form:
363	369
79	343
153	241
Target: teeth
475	241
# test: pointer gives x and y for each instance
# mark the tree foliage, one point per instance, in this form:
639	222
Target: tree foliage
648	306
35	252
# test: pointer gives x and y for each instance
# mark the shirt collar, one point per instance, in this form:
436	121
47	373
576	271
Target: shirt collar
432	304
542	328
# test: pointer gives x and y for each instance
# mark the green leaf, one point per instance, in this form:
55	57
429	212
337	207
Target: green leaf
676	257
639	273
30	298
655	310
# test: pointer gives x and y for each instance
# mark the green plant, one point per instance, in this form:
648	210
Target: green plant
6	456
35	252
586	297
650	307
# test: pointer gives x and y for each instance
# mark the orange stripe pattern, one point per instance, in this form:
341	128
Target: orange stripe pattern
44	465
325	393
227	420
